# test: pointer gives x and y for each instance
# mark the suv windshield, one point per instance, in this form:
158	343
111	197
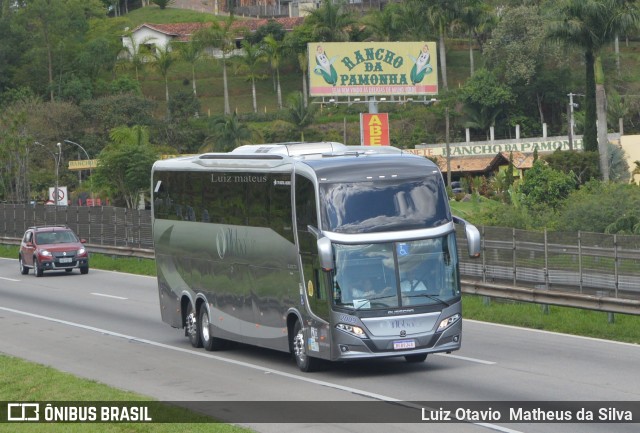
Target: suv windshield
422	272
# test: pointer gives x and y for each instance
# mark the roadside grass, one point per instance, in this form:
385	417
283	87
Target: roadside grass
24	381
566	320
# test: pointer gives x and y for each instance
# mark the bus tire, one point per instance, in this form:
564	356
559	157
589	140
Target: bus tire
419	357
304	362
209	342
191	327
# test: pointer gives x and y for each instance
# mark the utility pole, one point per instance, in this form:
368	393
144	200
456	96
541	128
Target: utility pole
572	122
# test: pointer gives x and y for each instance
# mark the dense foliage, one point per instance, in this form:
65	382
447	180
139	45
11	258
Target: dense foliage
64	75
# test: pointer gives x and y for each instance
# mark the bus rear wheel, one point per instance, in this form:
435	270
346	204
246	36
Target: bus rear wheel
191	327
209	342
304	362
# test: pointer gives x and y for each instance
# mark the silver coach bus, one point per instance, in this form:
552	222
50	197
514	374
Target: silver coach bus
326	251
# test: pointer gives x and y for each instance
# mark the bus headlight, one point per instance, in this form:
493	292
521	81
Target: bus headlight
445	323
353	330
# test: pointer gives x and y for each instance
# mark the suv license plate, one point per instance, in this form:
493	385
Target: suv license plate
66	259
404	344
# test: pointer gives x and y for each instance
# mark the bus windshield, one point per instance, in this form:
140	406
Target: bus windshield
384	204
398	274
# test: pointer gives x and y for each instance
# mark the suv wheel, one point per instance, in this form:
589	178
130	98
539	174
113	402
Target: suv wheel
37	270
23	269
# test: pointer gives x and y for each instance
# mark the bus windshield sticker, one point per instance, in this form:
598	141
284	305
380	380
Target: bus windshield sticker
403	249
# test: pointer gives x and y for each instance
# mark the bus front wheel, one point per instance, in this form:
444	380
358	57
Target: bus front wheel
305	362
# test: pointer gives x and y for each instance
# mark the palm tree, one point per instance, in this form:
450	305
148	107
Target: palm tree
227	133
249	63
385	24
442	14
191	52
137	53
475	16
296	44
275	51
164	60
331	22
300	114
221	37
590	25
412	21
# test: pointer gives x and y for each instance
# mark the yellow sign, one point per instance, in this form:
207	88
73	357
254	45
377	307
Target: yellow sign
85	164
372	68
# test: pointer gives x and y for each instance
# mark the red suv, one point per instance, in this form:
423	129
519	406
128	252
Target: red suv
52	248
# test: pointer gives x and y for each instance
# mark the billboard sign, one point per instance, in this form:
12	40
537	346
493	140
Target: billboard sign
372	68
374	129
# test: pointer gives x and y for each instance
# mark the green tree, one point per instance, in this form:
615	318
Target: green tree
136	55
250	63
476	17
597	205
636	172
162	4
544	186
384	25
296	43
331	22
300	115
164	60
275	51
56	31
124	167
590	25
227	133
583	164
485	98
191	52
220	36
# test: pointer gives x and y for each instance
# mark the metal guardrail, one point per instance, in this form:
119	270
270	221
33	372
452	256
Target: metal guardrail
544	267
523	294
547	297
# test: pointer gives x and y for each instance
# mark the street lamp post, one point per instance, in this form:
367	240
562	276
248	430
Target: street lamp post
56	158
88	162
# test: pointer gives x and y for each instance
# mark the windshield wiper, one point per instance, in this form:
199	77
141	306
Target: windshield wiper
435	298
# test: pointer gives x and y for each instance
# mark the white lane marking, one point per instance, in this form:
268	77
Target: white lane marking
9	279
108	296
464	358
238	363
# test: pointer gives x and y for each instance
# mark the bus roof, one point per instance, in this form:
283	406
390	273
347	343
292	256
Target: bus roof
327	159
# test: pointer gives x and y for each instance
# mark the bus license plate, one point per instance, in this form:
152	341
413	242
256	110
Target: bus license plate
66	259
404	344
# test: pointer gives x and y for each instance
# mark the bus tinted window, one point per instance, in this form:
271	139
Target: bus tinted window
384	205
246	199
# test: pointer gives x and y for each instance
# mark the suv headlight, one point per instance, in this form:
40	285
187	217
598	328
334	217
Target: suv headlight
82	252
445	323
353	330
45	253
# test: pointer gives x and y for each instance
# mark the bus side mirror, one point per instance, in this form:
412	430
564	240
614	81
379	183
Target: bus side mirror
472	234
325	254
